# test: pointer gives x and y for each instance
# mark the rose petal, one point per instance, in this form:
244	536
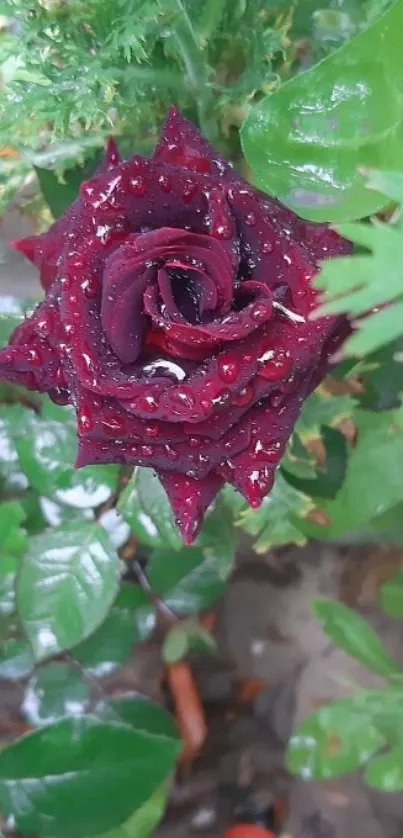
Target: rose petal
189	499
181	145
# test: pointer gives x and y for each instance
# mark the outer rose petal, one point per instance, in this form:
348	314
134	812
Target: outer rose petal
181	145
189	499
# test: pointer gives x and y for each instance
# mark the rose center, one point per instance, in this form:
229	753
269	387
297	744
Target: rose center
186	292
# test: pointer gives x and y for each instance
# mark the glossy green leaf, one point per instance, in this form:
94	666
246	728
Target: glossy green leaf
373	481
272	522
385	772
12	311
391	595
142	714
145	506
81	776
187	581
330	477
350	632
307	140
143	822
8	572
66	585
382	379
13	539
336	739
130	620
55	691
16	659
47	449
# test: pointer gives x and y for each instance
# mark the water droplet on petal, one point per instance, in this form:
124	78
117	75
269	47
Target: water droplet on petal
189	190
228	368
152	430
276	366
250	219
244	396
138	186
114	425
146	403
146	450
171	452
165	182
267	247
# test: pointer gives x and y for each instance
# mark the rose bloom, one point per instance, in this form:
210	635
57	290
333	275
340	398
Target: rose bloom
176	321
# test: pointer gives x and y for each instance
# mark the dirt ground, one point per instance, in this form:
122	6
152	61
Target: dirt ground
268	641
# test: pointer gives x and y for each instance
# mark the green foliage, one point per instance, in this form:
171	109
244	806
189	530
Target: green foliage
361	730
306	141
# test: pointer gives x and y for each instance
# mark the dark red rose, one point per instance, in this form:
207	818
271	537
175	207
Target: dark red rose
176	321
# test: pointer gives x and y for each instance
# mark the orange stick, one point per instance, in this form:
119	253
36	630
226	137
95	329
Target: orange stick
188	708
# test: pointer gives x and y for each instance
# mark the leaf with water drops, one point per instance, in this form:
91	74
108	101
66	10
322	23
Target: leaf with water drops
82	776
16	659
145	506
307	140
385	772
66	585
55	691
46	446
187	581
336	739
130	621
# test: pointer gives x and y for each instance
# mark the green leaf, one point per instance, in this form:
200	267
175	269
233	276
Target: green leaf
382	379
321	408
308	139
175	645
386	182
66	585
12	312
350	632
272	522
82	776
8	572
385	772
391	596
130	620
145	506
13	539
142	714
330	478
16	660
145	820
373	481
60	193
336	739
46	449
187	581
55	691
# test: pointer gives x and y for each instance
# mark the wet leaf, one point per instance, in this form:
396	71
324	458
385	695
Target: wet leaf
330	477
187	581
16	659
307	140
145	506
272	522
82	776
145	820
385	772
66	585
336	739
46	449
55	691
130	620
350	632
